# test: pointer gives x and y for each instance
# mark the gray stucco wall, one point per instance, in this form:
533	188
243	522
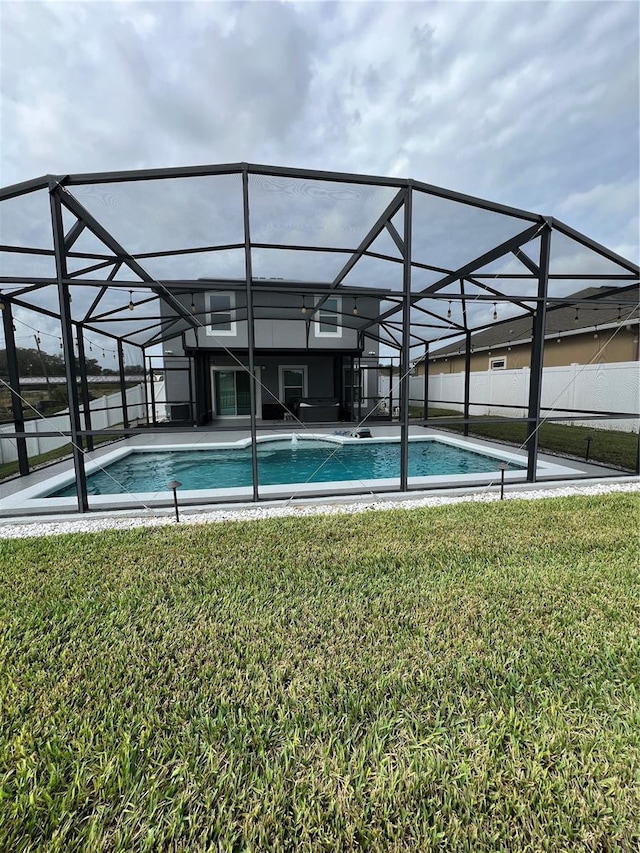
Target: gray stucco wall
293	330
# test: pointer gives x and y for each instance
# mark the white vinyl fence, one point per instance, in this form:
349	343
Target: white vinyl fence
390	386
592	387
112	416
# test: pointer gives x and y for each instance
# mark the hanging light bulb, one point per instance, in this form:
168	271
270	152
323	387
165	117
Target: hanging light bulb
619	314
193	305
131	305
495	310
449	311
38	338
60	343
103	355
355	306
304	304
90	347
577	317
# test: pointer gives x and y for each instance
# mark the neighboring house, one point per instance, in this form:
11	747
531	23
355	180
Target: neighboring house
578	334
310	360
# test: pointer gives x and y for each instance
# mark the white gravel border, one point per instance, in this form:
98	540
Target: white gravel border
94	524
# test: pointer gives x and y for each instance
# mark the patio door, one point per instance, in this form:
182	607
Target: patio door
231	391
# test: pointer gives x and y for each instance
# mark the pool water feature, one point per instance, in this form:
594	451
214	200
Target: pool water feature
282	461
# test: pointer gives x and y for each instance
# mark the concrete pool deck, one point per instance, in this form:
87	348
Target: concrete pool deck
23	497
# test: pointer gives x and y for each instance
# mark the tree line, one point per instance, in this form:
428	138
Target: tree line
33	362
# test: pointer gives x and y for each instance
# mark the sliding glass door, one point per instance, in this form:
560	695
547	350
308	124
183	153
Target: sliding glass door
231	392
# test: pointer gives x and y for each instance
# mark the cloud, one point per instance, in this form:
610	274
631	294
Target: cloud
533	104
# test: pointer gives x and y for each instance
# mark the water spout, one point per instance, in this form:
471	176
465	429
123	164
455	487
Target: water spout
294	438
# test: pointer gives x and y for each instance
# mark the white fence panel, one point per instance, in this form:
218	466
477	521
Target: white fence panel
99	420
592	387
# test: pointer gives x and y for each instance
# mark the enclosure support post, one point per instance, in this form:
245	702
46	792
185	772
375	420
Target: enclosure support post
144	386
425	413
250	333
14	382
406	345
84	388
153	390
467	379
192	394
537	356
123	386
358	379
67	346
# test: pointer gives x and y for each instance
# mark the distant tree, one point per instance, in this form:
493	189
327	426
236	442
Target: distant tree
34	363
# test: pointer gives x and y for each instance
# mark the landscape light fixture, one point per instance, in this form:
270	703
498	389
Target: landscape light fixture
589	439
174	485
502	466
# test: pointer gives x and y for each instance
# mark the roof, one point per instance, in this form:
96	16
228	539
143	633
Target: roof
573	319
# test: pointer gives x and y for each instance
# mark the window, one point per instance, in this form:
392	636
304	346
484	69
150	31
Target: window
327	321
293	384
497	363
221	315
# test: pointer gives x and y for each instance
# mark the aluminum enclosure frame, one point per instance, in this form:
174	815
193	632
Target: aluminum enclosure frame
412	317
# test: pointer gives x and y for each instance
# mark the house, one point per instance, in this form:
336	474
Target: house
312	360
577	333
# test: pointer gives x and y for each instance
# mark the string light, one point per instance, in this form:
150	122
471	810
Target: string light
577	317
355	306
193	305
131	305
449	311
304	304
495	310
619	314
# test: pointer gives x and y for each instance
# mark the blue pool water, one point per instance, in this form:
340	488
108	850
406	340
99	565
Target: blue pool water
280	461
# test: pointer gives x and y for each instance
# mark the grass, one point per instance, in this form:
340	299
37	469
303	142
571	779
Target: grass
462	679
9	469
610	447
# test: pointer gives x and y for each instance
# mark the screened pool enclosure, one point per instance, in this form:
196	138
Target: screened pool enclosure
243	297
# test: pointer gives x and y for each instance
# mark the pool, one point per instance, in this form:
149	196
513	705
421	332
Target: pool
289	460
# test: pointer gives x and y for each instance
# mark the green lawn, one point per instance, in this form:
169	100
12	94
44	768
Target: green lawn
610	447
9	469
459	679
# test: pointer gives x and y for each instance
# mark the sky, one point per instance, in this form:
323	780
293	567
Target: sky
532	104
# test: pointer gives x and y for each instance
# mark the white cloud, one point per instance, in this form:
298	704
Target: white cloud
534	104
